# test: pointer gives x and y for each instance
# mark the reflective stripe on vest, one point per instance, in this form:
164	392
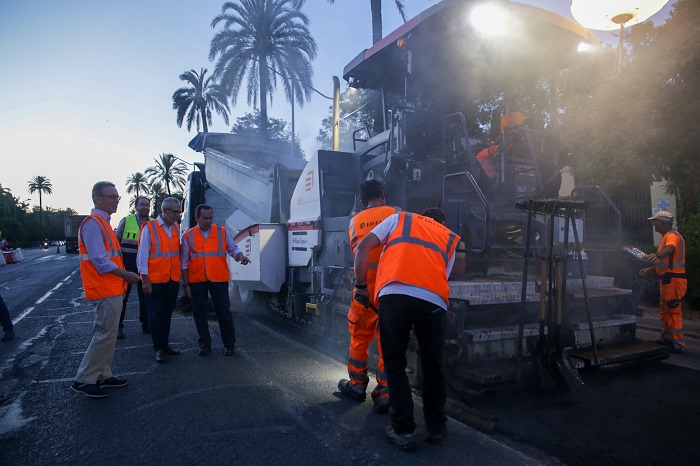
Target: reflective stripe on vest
418	240
130	236
207	259
164	255
107	285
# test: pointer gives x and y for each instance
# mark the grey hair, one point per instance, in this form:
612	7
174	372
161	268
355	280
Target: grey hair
169	203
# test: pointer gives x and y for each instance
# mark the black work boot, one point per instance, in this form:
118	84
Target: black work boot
356	392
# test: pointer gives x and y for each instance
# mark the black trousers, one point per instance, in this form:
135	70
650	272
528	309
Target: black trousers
130	266
398	315
222	306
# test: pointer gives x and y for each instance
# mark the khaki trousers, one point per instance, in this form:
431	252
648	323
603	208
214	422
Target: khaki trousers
97	362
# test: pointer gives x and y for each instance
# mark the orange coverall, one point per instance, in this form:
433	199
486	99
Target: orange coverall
672	287
362	321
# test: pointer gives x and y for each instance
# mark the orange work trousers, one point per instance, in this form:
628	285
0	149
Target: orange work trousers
670	309
362	324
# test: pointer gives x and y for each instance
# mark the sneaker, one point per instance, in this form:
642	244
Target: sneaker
229	351
436	438
403	441
381	405
111	382
204	350
8	335
348	389
89	390
120	334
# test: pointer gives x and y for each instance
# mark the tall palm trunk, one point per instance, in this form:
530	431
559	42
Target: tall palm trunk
41	221
376	8
263	95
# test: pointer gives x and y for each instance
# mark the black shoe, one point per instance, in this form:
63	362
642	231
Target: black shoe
436	438
146	329
348	389
170	350
229	351
403	441
8	335
120	334
89	390
161	356
204	350
111	382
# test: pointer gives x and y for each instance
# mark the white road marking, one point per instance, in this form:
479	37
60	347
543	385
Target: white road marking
41	300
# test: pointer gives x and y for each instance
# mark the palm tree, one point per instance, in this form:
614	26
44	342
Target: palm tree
376	7
42	185
169	171
158	193
260	40
199	99
137	183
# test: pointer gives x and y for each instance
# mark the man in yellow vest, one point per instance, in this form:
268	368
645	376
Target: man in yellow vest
158	260
205	271
128	232
362	321
104	281
669	265
412	289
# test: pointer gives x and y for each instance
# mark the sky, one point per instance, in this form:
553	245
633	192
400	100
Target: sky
87	84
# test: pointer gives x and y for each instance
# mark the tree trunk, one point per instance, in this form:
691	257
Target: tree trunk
376	6
203	114
264	83
41	222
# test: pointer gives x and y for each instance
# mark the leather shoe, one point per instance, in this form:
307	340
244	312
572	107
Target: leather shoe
170	350
229	351
161	356
204	350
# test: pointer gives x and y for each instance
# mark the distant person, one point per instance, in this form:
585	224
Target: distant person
669	265
205	271
158	260
362	321
419	252
487	156
104	281
128	232
8	329
4	245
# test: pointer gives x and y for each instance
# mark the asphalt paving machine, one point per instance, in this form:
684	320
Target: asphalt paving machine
525	297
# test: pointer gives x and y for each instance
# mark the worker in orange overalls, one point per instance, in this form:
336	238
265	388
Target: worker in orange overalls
362	321
669	265
486	156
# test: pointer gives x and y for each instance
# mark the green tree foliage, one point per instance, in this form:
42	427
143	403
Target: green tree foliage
137	184
42	185
276	130
376	9
169	171
198	99
355	114
260	41
641	125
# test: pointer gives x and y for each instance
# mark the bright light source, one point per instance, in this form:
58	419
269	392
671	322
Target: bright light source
585	47
608	15
489	18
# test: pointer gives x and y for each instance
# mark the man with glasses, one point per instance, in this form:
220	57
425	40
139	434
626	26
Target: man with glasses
104	281
158	261
128	232
205	271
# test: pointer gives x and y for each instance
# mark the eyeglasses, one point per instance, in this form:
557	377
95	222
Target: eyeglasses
176	212
113	197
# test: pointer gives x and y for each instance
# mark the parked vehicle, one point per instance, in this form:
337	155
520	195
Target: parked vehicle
71	225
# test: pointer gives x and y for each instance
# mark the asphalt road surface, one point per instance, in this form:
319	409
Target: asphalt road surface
276	402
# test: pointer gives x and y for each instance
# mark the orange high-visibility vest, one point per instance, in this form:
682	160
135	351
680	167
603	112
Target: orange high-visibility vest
416	253
107	285
512	119
676	263
360	225
207	255
164	255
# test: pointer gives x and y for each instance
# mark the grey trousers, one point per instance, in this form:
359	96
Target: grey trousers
97	362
